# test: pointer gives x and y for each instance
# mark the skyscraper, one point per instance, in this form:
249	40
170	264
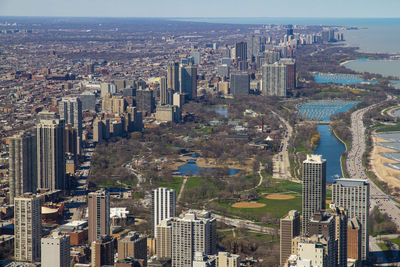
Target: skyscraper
314	188
240	83
56	250
50	134
254	46
274	79
188	80
99	214
354	239
241	51
27	227
145	101
173	76
190	234
163	206
22	170
290	72
353	196
70	109
165	98
290	228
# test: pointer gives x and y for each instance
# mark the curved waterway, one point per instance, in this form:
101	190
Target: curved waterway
329	146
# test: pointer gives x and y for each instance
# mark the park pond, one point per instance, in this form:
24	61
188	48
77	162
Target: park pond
191	168
342	79
329	146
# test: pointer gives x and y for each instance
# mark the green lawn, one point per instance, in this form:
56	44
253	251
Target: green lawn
395	241
388	128
176	183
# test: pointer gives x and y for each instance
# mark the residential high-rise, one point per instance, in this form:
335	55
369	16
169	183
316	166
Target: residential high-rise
312	250
190	234
50	134
102	251
254	46
188	80
165	96
133	245
290	72
290	228
272	56
145	101
99	214
27	227
173	76
56	250
70	109
164	239
240	83
353	196
354	239
241	51
163	206
313	189
88	100
340	216
22	170
274	79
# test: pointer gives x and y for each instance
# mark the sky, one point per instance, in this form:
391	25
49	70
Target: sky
202	8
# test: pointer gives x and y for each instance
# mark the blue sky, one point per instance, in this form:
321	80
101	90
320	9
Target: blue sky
201	8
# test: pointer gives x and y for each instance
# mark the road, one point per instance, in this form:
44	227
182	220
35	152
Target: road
355	169
281	162
246	224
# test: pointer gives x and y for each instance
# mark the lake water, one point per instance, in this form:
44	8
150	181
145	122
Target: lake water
191	168
343	79
383	67
221	110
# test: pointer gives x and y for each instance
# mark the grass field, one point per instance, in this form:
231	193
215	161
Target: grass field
176	184
387	128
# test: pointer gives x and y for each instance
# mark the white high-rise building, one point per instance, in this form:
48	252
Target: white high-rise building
353	196
56	250
190	234
274	79
163	205
50	134
313	189
22	170
27	227
70	109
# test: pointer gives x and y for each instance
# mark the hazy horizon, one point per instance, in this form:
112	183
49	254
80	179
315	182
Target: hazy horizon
201	9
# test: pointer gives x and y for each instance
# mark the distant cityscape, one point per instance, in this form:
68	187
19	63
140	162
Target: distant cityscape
189	144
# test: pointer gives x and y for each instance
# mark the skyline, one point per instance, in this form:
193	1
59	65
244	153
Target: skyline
203	9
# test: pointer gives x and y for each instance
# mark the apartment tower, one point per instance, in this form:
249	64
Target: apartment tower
99	214
290	228
163	206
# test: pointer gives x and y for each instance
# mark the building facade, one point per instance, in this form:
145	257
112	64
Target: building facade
56	250
240	83
22	170
274	78
99	214
313	189
163	205
290	228
133	245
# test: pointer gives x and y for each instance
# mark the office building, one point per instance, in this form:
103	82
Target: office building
173	76
353	196
354	240
56	250
241	51
240	83
225	259
274	79
163	206
88	100
22	169
194	232
145	101
313	189
133	245
290	228
27	227
188	80
50	134
196	57
164	239
102	251
99	214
